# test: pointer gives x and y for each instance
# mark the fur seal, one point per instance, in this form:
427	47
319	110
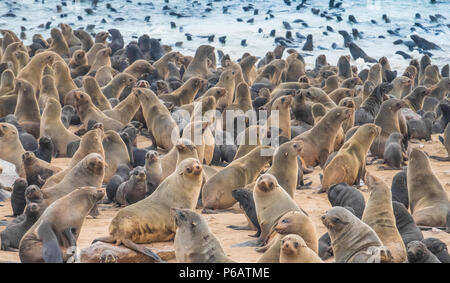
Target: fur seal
399	188
134	189
153	170
438	248
52	127
419	253
345	195
36	170
53	237
353	241
18	201
88	172
393	154
12	235
194	242
428	200
294	250
388	120
199	66
216	193
349	164
116	153
405	224
92	88
159	122
269	211
319	141
11	149
88	111
379	215
246	202
27	108
149	220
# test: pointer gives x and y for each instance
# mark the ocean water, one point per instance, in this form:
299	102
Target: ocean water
205	18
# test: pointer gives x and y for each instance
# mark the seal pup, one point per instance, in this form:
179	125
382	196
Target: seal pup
405	224
419	253
294	250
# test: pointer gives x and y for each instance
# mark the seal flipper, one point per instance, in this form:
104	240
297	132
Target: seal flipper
135	247
51	251
72	250
235	227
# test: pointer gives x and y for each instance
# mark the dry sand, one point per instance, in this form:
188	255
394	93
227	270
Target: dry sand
314	204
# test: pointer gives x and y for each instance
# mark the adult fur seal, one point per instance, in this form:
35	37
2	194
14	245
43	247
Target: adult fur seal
11	149
293	222
319	141
428	199
294	250
349	164
159	122
53	237
271	202
194	242
379	215
353	241
199	65
149	220
216	194
52	126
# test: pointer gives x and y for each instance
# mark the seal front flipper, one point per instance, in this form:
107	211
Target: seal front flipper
72	250
107	239
135	247
51	251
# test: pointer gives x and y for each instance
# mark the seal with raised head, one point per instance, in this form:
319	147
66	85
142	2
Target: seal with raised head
352	240
379	215
53	238
428	199
216	193
134	189
349	164
149	220
294	250
419	253
194	242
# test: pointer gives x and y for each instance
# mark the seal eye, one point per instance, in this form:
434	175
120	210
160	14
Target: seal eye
189	169
296	245
285	221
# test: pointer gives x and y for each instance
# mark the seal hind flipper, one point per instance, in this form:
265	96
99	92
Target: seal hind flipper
439	158
254	243
51	251
146	251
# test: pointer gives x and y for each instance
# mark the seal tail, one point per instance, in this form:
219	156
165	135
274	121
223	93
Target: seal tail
146	251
